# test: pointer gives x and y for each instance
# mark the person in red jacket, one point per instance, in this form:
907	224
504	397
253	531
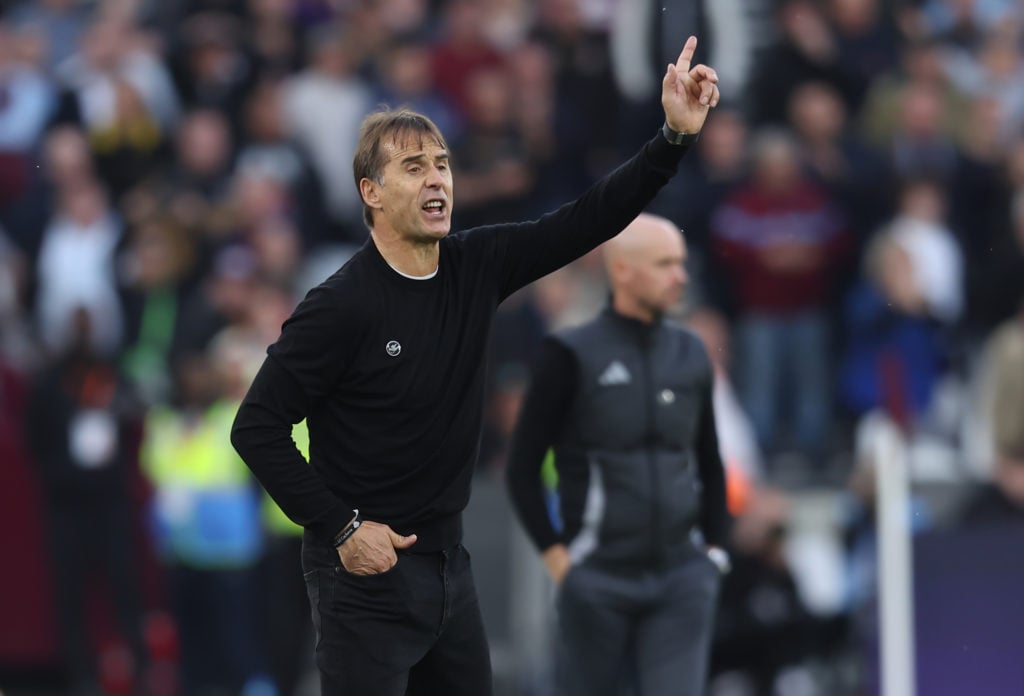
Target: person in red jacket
780	239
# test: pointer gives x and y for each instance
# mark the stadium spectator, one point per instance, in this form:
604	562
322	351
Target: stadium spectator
780	239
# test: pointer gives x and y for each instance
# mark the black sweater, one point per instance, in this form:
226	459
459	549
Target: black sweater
389	371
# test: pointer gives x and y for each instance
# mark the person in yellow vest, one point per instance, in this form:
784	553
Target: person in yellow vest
289	631
239	350
208	529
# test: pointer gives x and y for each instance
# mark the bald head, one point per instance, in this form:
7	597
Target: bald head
639	238
645	267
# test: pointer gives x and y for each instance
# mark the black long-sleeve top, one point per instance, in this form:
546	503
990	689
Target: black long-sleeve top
389	371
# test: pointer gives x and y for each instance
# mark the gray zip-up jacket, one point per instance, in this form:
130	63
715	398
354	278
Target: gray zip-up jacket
626	406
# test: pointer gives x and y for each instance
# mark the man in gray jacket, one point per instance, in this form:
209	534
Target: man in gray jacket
625	403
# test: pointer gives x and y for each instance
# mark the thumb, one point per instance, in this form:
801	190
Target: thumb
402	542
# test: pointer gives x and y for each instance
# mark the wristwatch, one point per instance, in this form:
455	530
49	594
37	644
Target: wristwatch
677	138
350	529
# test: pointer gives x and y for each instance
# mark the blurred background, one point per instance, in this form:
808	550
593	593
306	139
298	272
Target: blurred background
176	174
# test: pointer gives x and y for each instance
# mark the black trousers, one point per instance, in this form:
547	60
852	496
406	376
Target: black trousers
289	635
411	631
218	621
85	537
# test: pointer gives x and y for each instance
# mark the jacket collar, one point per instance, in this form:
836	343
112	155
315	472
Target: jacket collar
631	325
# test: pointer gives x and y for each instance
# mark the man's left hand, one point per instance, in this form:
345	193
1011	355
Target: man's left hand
688	93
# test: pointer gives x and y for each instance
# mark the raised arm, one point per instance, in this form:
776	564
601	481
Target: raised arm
688	92
530	250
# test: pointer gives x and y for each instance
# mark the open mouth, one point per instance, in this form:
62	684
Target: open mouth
434	208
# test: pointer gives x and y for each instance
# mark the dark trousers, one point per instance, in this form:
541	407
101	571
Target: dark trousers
636	632
413	630
86	537
217	613
286	612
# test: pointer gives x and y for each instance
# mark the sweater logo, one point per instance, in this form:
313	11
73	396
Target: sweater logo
616	373
393	348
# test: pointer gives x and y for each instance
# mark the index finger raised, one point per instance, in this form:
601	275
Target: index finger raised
686	57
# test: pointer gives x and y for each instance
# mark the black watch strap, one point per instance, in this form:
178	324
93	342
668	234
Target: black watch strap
677	138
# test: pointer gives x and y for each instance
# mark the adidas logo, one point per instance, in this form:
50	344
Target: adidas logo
616	373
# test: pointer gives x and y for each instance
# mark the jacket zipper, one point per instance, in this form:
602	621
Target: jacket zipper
649	439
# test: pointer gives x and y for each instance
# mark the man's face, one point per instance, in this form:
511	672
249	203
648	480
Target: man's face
414	199
657	273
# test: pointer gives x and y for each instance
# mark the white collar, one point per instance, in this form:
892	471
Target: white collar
412	277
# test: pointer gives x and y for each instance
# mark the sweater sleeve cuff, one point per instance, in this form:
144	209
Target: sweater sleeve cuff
327	526
663	154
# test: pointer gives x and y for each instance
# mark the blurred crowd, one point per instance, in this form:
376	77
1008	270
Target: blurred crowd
176	174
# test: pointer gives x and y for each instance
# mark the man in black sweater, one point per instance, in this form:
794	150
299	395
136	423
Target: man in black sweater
385	362
625	402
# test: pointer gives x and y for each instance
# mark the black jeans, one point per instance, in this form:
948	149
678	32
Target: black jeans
413	630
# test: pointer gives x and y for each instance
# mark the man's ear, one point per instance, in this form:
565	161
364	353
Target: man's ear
370	192
618	271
